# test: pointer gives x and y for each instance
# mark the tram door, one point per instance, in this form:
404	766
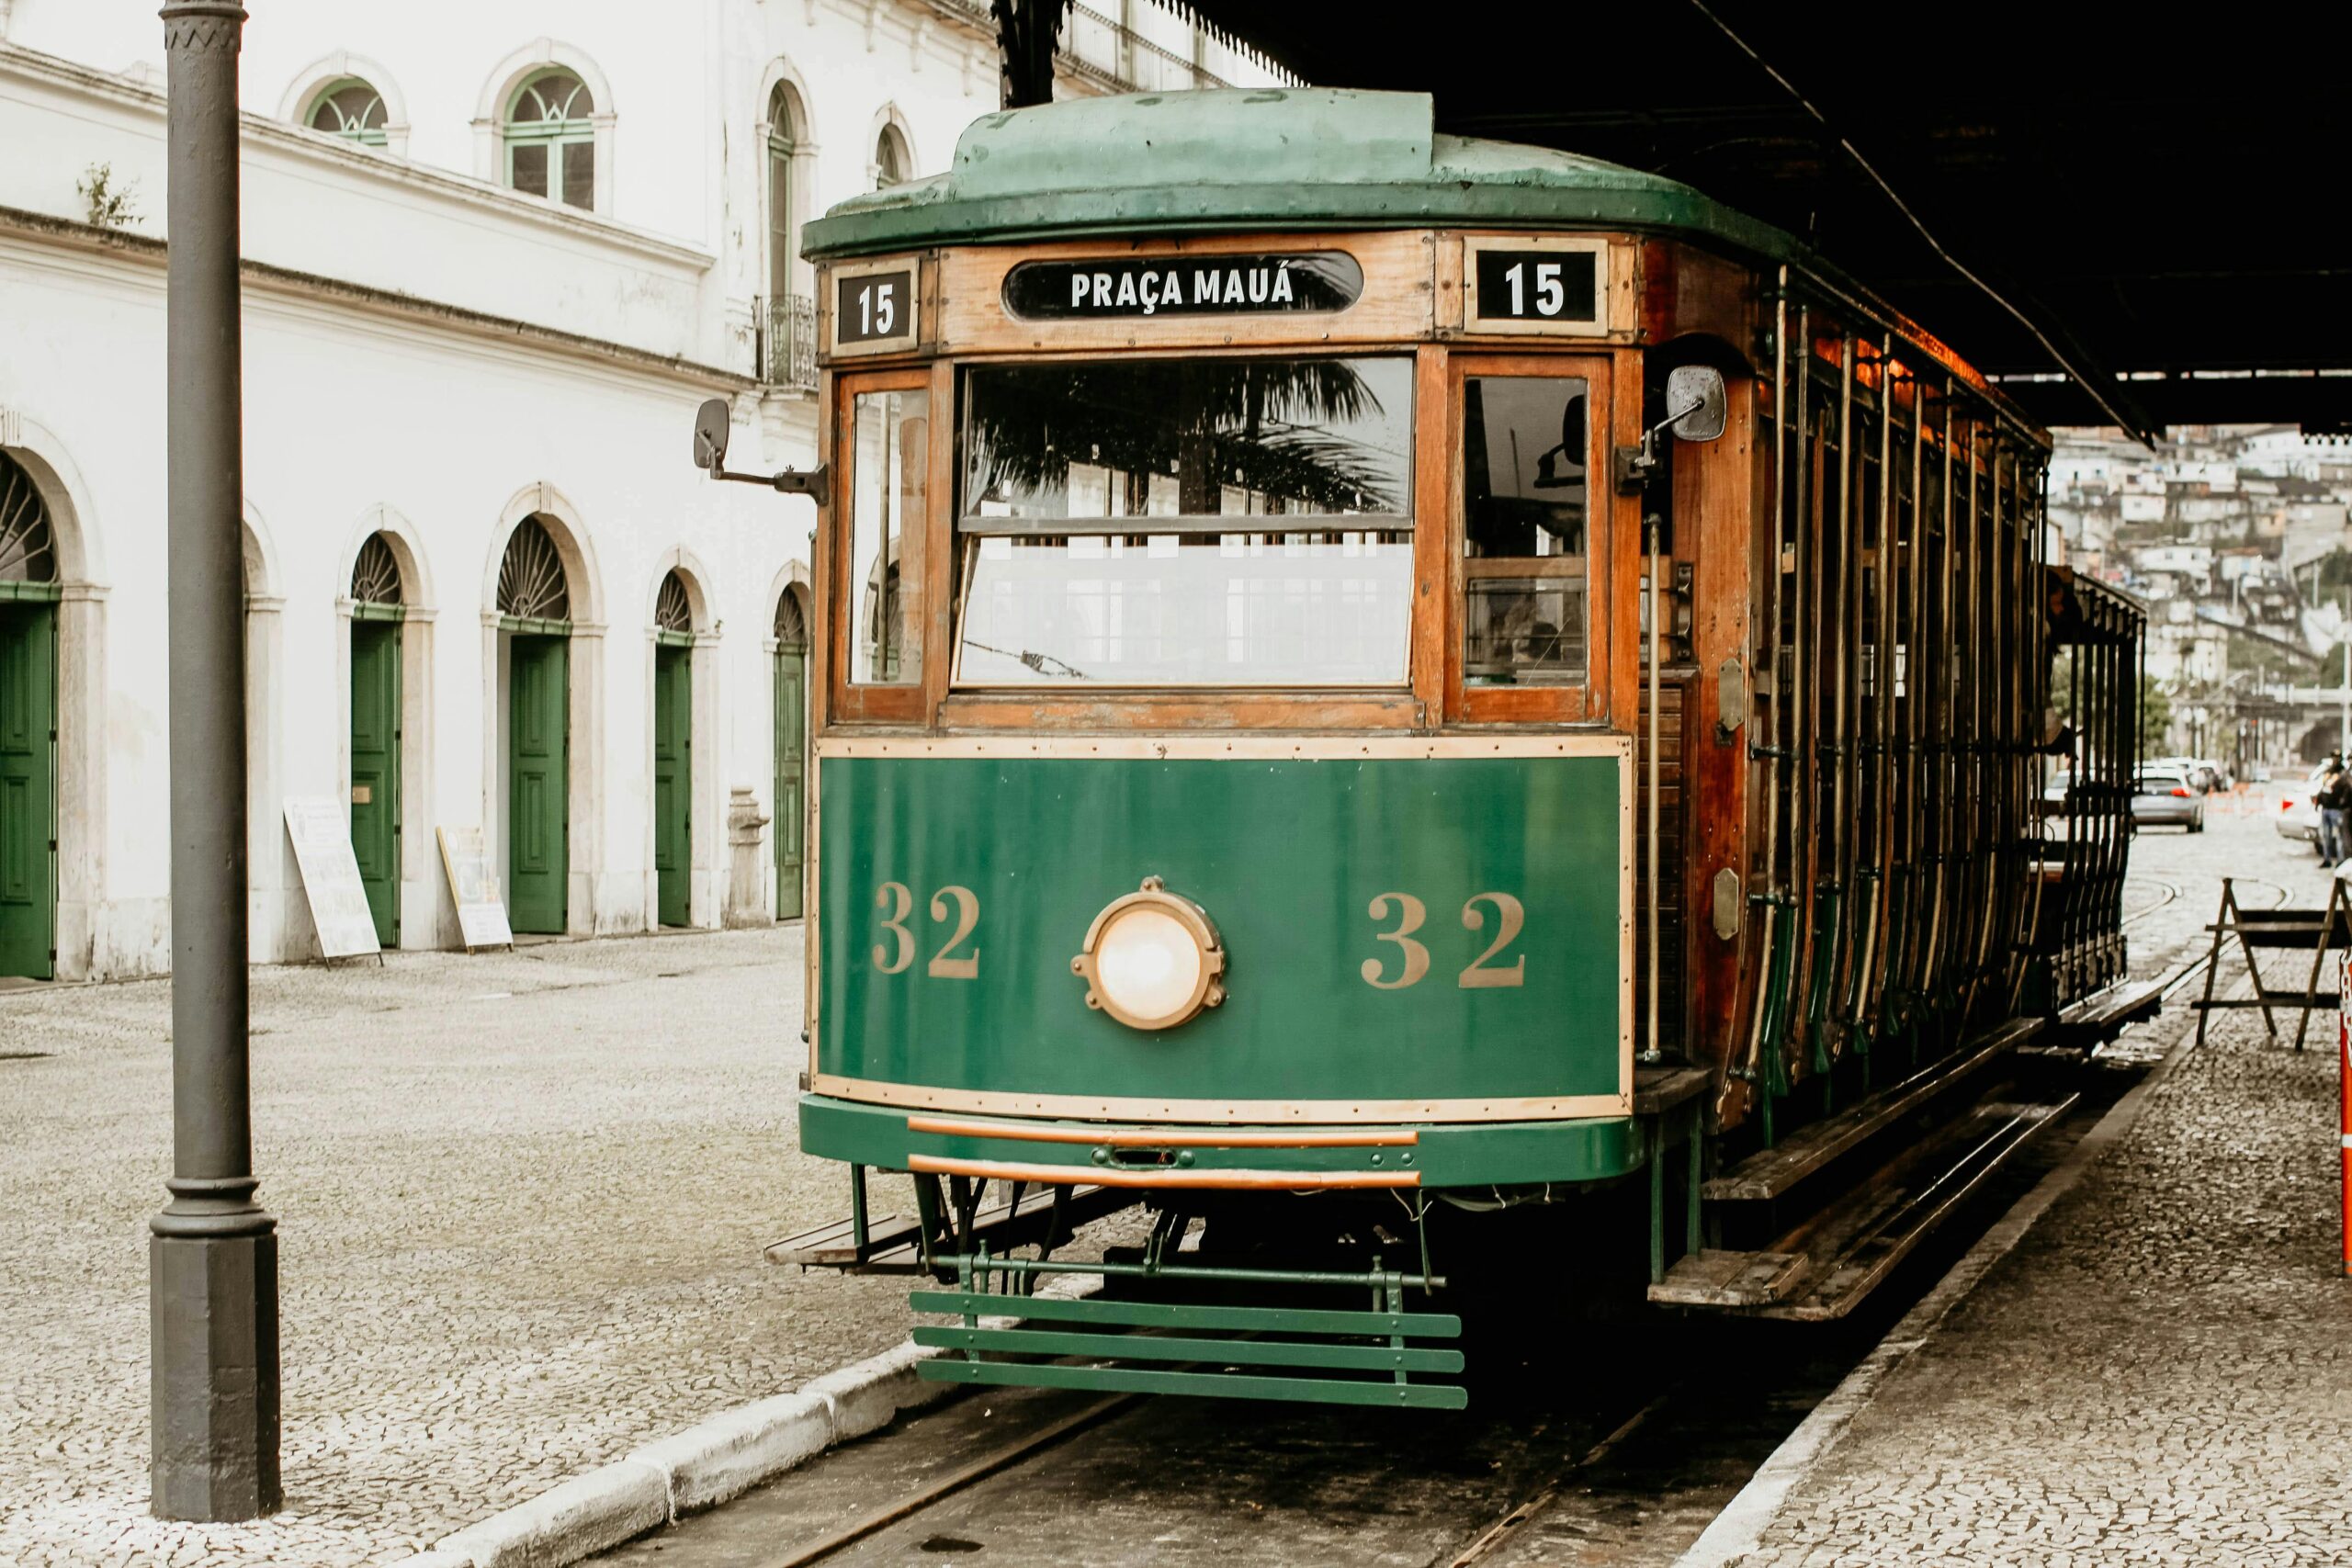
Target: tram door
673	777
538	783
27	788
791	755
375	770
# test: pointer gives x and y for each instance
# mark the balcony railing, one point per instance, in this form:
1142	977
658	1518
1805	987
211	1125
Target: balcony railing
787	350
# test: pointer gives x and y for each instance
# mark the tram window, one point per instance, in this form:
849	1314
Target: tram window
1086	557
1320	608
1524	448
889	459
1188	438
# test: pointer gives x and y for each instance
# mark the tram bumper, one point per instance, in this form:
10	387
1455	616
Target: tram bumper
1166	1323
1212	1158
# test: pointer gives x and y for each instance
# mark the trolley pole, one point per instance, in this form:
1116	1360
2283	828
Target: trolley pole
212	1259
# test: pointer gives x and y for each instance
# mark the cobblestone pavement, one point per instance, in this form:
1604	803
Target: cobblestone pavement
520	1198
2161	1372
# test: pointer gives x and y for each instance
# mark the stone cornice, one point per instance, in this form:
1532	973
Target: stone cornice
261	277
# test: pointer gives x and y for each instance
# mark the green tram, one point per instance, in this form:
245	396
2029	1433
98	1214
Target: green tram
1427	709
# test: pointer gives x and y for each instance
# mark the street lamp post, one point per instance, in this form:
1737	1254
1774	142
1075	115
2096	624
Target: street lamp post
212	1259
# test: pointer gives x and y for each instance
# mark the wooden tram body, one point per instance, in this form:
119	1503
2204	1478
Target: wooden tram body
1311	635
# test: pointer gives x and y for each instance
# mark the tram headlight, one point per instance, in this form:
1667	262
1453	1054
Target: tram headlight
1152	959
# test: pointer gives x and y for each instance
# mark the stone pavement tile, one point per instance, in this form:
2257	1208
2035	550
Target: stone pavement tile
521	1201
2162	1369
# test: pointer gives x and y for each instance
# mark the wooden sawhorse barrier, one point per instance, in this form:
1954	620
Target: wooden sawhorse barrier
2317	930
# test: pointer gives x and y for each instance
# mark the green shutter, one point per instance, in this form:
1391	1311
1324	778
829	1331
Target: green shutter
672	778
791	772
375	770
538	784
28	788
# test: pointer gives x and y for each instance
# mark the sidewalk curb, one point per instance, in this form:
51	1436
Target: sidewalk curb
1740	1528
707	1465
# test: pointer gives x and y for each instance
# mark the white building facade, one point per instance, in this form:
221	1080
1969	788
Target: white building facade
495	255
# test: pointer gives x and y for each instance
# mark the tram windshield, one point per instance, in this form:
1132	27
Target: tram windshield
1187	522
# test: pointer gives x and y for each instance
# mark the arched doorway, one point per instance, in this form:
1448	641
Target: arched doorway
378	609
674	717
29	592
790	799
534	614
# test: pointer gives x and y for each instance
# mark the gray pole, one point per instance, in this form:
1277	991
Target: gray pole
212	1260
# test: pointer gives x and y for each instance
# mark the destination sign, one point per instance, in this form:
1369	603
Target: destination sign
1119	287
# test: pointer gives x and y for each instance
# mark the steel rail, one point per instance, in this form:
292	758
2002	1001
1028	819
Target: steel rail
955	1481
1503	1530
2187	974
2169	893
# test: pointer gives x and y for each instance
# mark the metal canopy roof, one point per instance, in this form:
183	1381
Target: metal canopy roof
2151	197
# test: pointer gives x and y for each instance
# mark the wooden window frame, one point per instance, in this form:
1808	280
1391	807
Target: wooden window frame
1608	538
848	702
1405	706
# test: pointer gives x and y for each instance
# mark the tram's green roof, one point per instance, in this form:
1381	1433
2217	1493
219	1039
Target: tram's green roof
1273	158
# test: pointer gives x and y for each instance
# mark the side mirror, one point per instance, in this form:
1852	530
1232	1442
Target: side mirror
711	430
1696	391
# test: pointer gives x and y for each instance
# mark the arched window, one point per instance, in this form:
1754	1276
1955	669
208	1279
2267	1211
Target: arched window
27	544
673	612
791	622
551	139
376	575
893	163
531	583
352	109
784	145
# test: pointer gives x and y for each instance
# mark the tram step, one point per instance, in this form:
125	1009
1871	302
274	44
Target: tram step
894	1244
2097	1017
1769	1173
1827	1265
1874	1250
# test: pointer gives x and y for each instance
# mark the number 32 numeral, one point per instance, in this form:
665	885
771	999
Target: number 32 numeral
895	903
1483	973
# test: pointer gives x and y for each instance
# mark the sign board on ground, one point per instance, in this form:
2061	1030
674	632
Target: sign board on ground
322	837
474	888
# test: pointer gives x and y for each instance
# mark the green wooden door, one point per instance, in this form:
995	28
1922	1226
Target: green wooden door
375	770
791	773
538	783
673	776
28	788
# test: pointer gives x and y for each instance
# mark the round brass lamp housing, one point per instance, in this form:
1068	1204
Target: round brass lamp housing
1152	960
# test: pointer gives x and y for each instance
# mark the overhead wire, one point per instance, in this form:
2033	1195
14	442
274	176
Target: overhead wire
2081	377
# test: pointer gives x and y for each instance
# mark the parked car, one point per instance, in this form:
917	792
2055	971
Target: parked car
2298	813
2168	797
2207	775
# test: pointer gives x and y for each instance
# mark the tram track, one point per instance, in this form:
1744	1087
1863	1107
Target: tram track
1006	1456
1556	1461
2167	894
1504	1530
